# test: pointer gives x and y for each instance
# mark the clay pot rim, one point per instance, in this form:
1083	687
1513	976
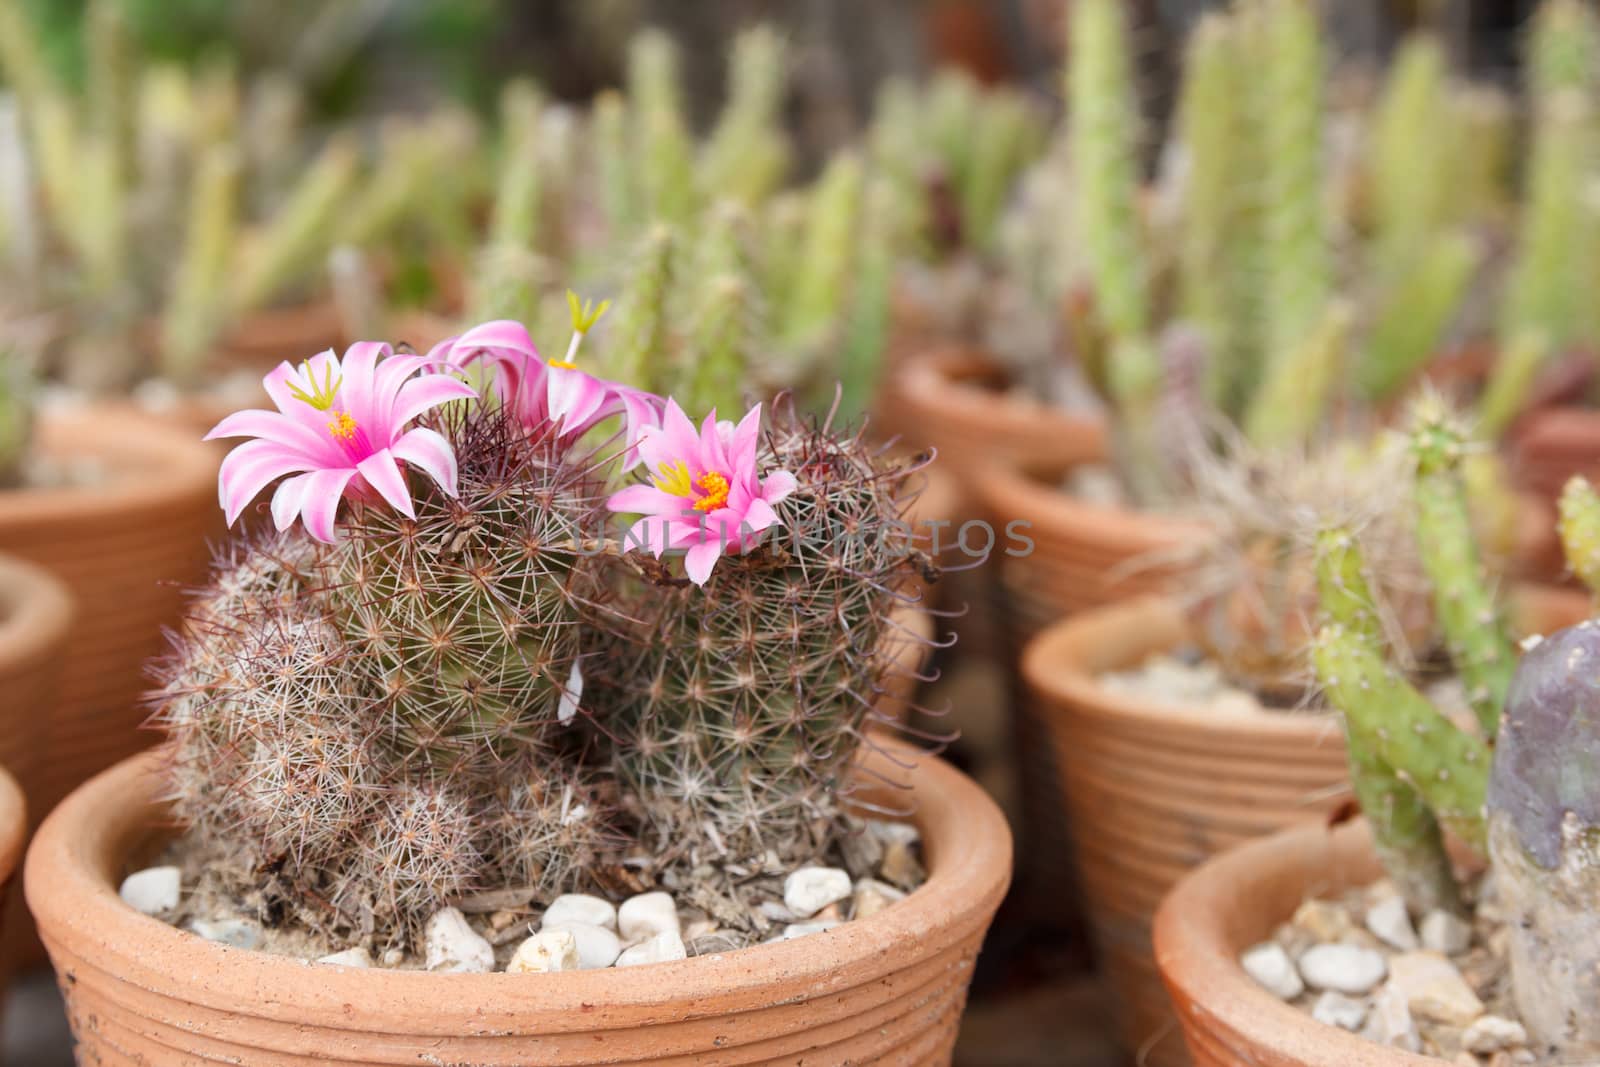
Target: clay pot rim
76	855
1060	663
1024	488
939	377
13	831
35	613
151	467
1198	958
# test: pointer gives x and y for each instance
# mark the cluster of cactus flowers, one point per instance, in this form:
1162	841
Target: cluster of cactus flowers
437	670
1510	774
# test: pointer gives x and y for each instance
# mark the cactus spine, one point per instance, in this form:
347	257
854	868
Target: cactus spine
381	720
741	704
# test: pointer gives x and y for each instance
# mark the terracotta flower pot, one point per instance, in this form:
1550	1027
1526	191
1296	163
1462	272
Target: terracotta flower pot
1084	554
1237	900
125	548
294	332
13	836
952	400
1151	791
35	614
890	987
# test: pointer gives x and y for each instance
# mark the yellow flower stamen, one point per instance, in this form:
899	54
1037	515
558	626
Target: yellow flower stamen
343	427
674	480
322	393
584	315
561	364
716	487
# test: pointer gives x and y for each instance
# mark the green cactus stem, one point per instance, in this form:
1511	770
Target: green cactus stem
1218	238
1291	403
663	160
1416	312
824	273
295	243
638	352
514	219
197	309
1580	530
1556	245
1474	630
1511	381
747	154
1299	254
1410	765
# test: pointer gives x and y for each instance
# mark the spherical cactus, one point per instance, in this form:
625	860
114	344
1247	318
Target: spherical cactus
378	720
466	618
740	704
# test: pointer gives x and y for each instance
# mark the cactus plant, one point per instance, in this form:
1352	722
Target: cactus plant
741	703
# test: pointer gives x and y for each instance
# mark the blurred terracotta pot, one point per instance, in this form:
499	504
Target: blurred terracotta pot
35	614
1084	554
888	988
125	545
293	332
1236	900
954	400
13	836
1150	790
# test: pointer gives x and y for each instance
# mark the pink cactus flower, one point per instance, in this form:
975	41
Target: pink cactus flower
340	430
705	494
553	392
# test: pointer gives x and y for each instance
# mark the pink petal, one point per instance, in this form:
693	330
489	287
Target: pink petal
699	560
759	515
383	474
321	501
423	394
356	370
386	384
649	534
676	440
279	379
644	500
778	485
276	427
429	452
249	469
742	448
576	399
288	500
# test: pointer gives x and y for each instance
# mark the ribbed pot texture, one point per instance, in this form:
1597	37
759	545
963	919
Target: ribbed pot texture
1150	790
125	547
1235	901
35	614
952	400
887	989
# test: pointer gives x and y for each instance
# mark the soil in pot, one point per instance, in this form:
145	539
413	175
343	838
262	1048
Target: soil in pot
889	985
